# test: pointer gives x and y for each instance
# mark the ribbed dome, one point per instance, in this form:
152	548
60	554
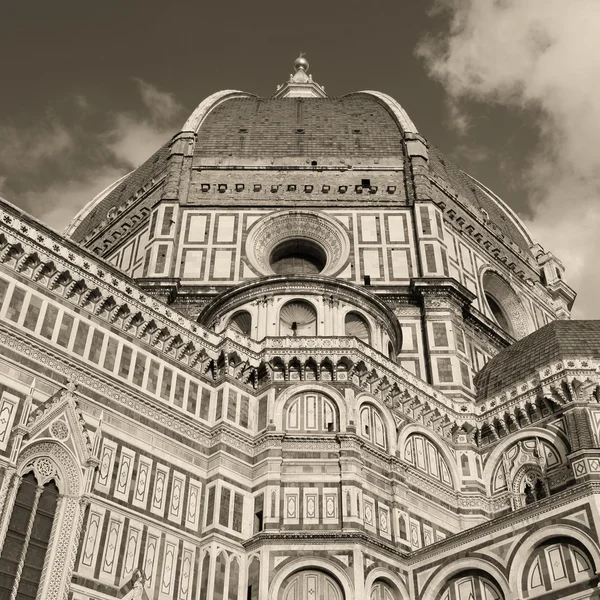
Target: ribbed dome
356	127
357	131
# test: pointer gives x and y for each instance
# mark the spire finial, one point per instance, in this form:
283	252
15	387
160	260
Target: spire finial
301	63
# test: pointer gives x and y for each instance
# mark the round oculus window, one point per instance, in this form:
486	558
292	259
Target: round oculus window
298	257
297	242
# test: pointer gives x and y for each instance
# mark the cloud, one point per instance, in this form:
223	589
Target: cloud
134	138
26	150
56	165
540	55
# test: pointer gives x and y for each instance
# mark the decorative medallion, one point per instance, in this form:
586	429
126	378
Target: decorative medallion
313	227
59	430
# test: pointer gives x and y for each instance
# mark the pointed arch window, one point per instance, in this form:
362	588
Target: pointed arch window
27	538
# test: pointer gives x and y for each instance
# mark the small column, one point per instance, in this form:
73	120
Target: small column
38	492
265	575
359	573
8	501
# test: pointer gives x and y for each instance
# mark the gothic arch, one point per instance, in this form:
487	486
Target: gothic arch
496	455
389	577
278	406
434	586
313	563
68	476
413	428
518	559
50	460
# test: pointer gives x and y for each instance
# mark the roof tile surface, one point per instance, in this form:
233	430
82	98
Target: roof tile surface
555	341
353	127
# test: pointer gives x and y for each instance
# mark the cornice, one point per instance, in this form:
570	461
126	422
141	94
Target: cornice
509	520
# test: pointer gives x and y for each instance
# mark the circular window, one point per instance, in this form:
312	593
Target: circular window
298	257
297	242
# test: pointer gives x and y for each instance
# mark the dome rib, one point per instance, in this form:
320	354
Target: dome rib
404	121
196	119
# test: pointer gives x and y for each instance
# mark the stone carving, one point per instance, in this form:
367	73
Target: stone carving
275	228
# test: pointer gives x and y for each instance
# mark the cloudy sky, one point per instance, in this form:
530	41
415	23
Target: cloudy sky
505	88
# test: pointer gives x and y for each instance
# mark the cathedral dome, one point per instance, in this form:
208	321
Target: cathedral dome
355	132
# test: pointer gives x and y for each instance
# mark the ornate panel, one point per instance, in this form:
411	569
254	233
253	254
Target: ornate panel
158	498
385	527
8	410
192	514
311	506
176	501
369	513
89	550
107	461
415	534
292	506
169	566
111	557
142	482
330	505
130	558
124	474
186	575
151	558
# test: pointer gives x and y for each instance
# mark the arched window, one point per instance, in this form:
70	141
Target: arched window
27	538
204	577
402	529
311	412
531	484
298	318
357	326
241	322
382	590
253	579
311	584
471	585
220	566
372	426
557	563
421	453
464	465
234	580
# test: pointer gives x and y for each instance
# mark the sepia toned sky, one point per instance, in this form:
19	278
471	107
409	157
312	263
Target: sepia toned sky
507	90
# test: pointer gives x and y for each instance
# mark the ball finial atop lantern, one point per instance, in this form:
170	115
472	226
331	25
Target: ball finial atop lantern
301	63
